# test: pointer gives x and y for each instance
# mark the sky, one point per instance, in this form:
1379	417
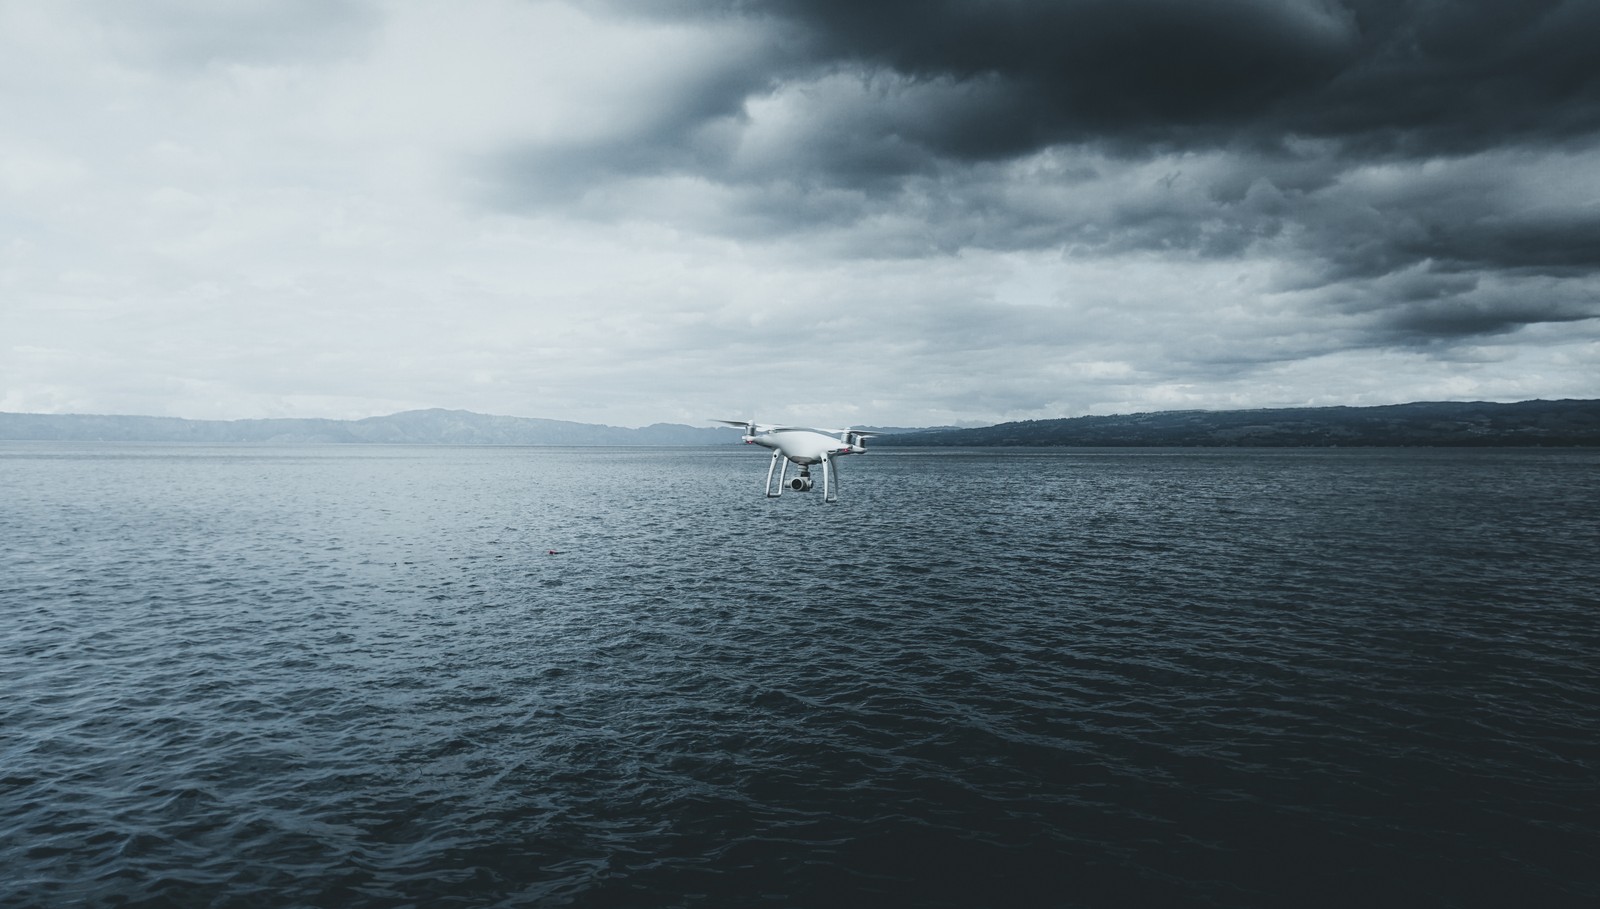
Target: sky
897	213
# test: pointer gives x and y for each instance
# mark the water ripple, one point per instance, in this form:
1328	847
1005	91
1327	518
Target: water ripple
361	677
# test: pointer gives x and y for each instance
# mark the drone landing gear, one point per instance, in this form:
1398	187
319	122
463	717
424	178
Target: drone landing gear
803	482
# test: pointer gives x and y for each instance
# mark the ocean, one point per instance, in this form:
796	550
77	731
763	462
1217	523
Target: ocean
374	676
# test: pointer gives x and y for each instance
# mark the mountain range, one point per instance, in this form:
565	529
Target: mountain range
1442	423
413	427
1528	423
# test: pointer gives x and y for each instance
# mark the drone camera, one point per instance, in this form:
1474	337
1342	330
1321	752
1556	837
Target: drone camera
800	484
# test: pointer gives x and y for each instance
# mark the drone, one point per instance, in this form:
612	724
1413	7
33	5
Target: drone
804	447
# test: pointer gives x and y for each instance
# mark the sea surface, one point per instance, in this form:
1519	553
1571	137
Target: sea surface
405	676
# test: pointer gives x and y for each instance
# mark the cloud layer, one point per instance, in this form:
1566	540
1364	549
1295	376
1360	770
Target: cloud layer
892	212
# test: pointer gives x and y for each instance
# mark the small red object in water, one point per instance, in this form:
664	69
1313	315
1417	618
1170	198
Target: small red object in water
552	552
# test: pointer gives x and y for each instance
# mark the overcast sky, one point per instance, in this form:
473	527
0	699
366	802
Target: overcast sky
902	212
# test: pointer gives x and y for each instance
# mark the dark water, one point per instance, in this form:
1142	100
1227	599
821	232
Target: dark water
352	676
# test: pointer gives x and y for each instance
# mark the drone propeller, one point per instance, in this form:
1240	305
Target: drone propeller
750	427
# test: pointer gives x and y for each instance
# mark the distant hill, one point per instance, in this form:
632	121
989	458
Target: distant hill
416	427
1529	423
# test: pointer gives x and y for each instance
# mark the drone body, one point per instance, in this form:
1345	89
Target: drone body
804	447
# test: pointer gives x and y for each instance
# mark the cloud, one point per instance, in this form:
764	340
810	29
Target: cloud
1408	79
1413	77
634	210
182	36
1362	128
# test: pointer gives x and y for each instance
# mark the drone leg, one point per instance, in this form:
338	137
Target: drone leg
776	457
829	494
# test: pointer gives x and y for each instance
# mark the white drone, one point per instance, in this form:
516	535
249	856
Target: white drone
804	447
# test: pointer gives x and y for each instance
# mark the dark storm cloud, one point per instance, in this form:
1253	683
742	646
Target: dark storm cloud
1361	142
1451	319
1561	243
885	91
1421	77
1145	71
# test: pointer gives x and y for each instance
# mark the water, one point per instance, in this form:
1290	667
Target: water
356	676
